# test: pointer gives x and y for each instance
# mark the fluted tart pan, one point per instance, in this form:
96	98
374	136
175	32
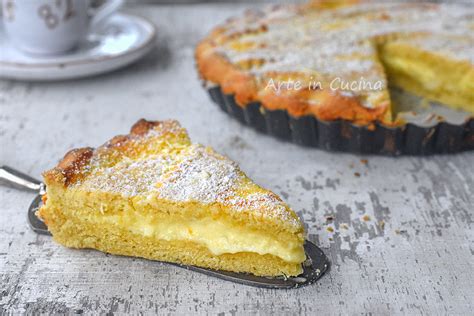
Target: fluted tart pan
340	135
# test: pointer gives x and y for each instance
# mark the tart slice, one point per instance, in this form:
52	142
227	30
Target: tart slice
154	194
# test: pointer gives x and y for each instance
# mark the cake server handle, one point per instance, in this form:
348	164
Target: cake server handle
21	180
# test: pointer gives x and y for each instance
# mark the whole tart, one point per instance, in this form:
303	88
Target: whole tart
321	74
154	194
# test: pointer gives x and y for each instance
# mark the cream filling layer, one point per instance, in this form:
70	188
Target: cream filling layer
219	237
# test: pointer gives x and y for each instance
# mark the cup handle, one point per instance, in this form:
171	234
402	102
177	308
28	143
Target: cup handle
108	8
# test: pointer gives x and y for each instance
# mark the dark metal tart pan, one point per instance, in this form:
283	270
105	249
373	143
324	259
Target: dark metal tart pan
340	135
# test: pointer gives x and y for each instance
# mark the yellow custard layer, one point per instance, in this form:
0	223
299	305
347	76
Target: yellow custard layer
218	236
430	75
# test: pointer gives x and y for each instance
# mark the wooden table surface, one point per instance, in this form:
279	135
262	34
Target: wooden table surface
401	242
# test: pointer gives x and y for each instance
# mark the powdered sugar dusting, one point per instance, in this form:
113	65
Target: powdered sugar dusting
264	204
127	178
202	176
168	126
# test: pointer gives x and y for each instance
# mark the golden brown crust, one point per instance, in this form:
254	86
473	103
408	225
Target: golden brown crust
143	126
69	168
324	4
215	68
72	167
331	107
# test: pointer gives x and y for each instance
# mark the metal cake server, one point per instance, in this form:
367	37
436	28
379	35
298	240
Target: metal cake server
314	267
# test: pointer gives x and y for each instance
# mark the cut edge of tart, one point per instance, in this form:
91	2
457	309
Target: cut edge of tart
154	194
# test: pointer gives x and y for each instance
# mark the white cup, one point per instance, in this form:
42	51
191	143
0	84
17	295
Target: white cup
52	26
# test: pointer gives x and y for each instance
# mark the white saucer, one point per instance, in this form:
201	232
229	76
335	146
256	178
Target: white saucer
121	40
